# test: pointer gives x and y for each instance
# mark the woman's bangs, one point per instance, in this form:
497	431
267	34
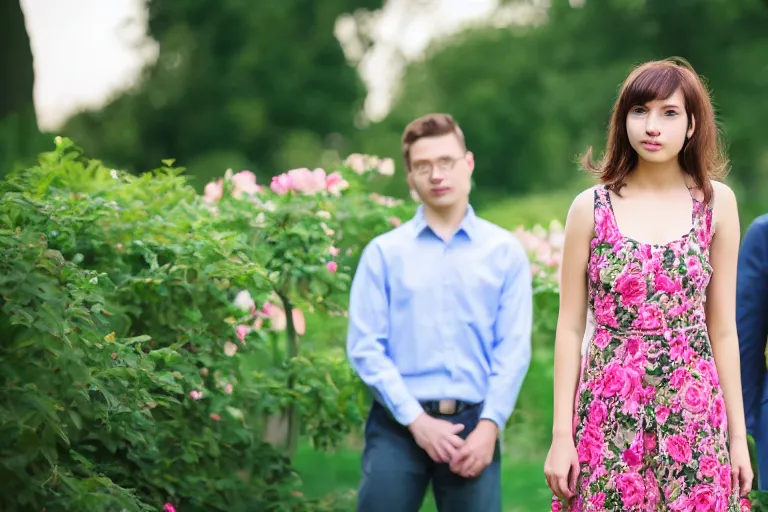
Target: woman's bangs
654	83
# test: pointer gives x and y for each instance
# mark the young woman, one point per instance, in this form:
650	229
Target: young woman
653	418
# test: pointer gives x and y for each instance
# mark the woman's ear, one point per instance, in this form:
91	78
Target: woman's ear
691	127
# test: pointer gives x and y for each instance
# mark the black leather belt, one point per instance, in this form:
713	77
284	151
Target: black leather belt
446	407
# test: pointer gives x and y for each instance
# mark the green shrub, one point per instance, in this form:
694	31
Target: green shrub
130	376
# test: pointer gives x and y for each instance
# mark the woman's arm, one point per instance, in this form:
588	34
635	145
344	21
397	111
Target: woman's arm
721	306
571	320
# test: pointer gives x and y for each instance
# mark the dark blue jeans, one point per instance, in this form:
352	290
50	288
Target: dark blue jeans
397	472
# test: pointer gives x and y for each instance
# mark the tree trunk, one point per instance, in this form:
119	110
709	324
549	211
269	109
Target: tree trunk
292	413
16	91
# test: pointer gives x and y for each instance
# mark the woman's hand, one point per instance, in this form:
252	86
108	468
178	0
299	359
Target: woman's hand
562	467
741	466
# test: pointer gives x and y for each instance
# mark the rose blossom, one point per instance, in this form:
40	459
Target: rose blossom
649	317
335	183
631	489
695	397
281	184
678	447
632	287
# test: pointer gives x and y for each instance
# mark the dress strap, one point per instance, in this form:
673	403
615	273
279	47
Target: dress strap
606	227
702	220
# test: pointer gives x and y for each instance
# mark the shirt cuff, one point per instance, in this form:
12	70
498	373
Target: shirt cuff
408	412
495	417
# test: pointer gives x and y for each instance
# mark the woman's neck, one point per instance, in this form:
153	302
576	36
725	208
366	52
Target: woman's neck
663	176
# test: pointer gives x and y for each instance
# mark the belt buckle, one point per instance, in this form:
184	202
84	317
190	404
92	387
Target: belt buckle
447	406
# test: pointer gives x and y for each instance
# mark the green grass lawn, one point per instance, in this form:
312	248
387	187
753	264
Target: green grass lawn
523	485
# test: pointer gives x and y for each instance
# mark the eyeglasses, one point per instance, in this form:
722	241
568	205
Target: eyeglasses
444	164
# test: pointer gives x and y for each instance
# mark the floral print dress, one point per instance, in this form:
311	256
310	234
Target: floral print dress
650	423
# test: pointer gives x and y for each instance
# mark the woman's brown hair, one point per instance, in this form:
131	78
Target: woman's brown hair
702	155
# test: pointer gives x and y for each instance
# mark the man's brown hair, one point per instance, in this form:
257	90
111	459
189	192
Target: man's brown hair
430	125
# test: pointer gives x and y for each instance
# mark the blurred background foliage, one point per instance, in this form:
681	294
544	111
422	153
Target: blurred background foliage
269	86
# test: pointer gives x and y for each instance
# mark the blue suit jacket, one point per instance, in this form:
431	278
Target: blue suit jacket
752	324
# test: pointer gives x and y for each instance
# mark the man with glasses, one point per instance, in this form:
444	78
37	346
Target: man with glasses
440	330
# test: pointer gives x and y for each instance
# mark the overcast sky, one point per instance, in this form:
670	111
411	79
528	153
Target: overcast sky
84	50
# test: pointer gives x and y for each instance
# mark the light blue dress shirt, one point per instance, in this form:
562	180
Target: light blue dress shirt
434	320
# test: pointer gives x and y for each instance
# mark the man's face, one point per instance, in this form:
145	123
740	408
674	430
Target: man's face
441	171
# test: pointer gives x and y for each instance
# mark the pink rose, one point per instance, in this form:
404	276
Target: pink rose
228	389
591	447
745	505
649	441
557	506
597	501
708	466
244	183
696	397
652	490
332	267
725	478
395	221
308	182
598	412
703	498
679	349
632	287
169	508
632	345
612	381
708	370
213	191
649	317
214	416
631	489
387	167
717	415
680	377
281	184
335	183
662	413
195	394
678	447
242	332
693	263
605	311
601	338
604	225
632	456
664	284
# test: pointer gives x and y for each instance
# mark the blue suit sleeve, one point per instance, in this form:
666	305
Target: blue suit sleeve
752	317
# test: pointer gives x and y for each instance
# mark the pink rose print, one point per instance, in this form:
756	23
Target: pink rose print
650	425
632	287
678	447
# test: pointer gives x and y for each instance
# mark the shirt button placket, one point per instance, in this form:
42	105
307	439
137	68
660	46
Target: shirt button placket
445	310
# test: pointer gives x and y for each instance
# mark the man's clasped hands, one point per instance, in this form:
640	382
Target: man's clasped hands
467	457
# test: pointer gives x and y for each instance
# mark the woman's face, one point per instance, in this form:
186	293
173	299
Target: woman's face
657	130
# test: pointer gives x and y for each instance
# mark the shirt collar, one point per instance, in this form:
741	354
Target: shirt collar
467	224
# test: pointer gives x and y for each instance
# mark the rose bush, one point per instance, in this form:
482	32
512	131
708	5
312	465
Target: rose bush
151	335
